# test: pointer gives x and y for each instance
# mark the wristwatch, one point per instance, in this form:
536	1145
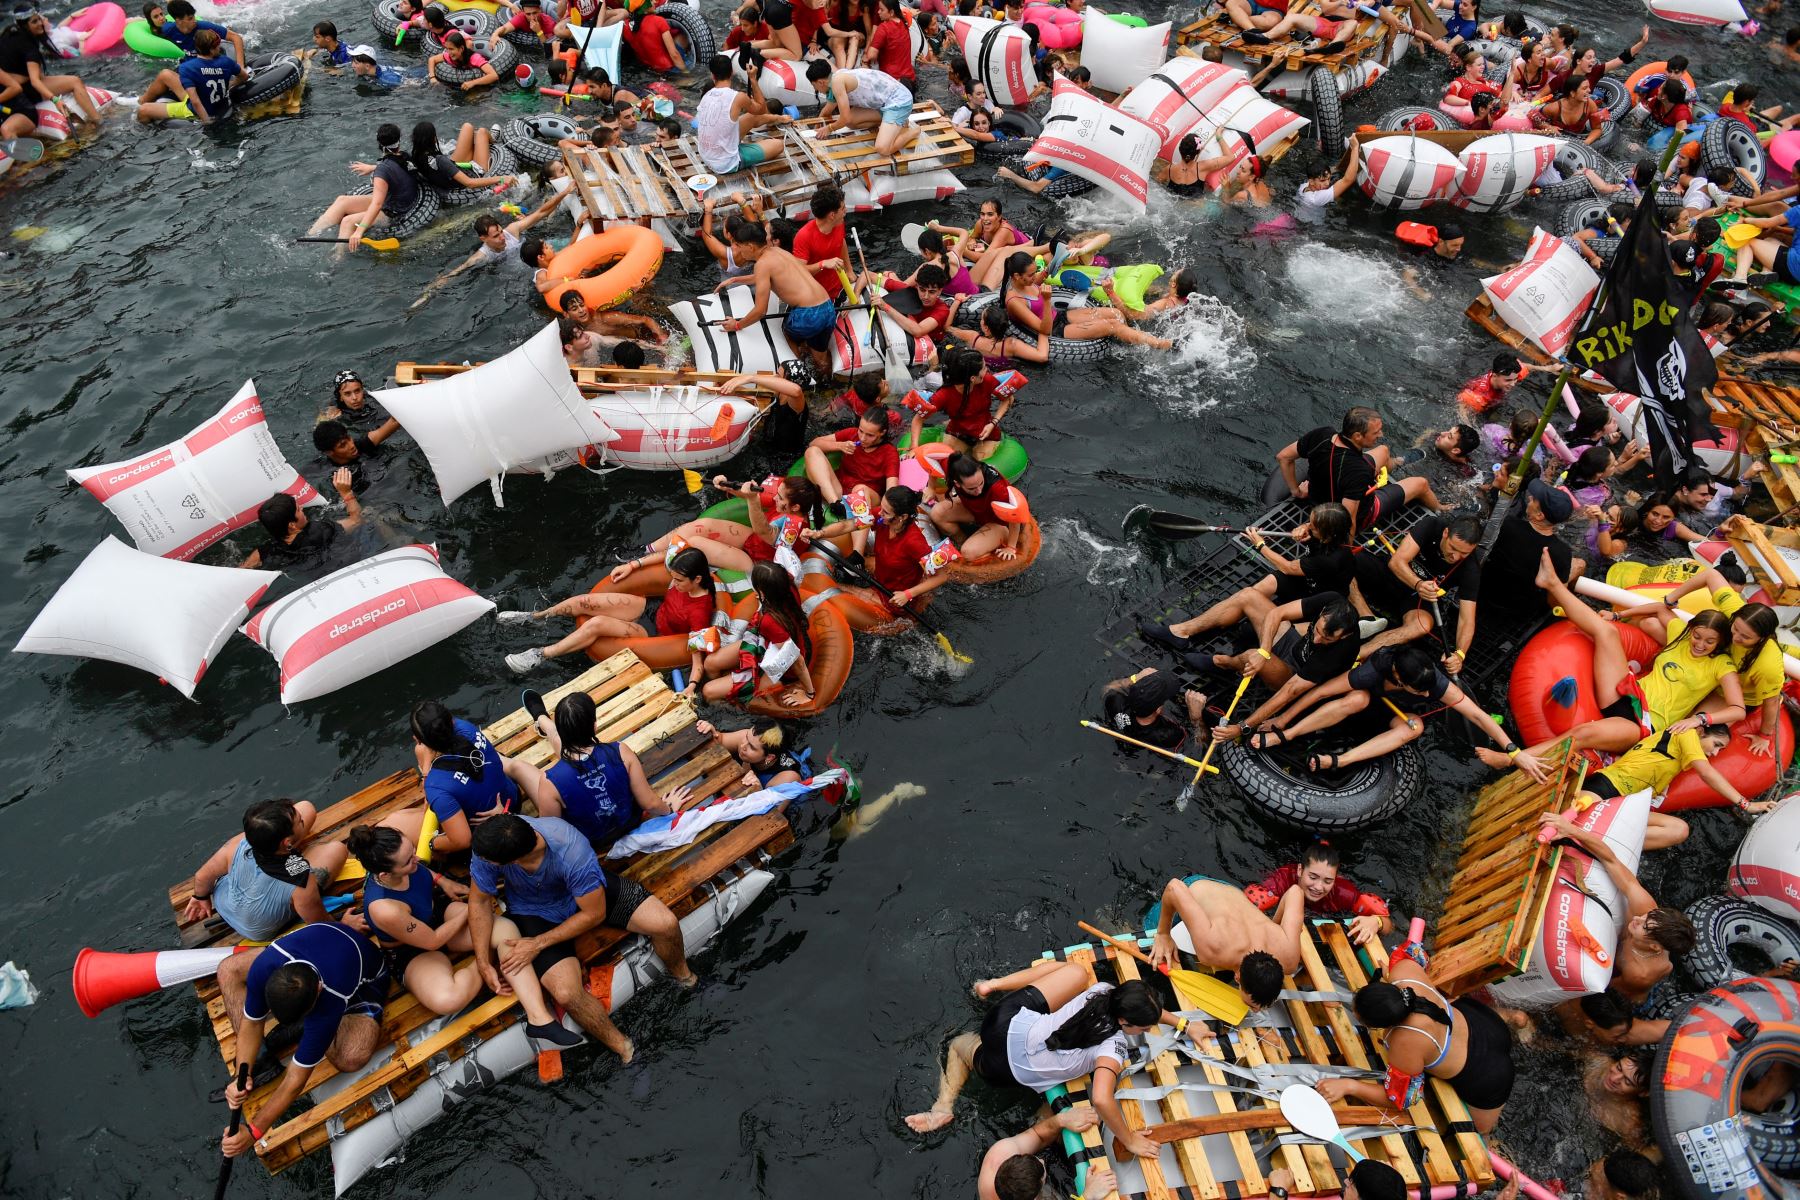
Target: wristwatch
1277	1191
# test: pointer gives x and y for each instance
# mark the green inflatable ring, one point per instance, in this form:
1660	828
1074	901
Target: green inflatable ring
1787	292
1009	457
152	45
1136	22
1131	282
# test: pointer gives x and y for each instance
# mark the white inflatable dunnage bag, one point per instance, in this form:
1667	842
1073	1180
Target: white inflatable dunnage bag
1498	170
1177	95
879	191
858	349
1408	173
999	56
1087	137
667	428
178	500
513	410
1699	12
1545	296
354	622
1120	56
157	614
1585	912
1766	869
759	347
1242	120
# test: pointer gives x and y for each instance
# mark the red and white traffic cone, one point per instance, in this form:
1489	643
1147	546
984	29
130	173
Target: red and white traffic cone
103	978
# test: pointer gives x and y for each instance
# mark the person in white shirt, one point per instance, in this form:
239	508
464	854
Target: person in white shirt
726	119
864	98
1320	190
977	102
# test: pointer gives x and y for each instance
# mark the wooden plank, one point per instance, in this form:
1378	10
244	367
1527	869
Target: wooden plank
1164	1069
1264	1118
578	173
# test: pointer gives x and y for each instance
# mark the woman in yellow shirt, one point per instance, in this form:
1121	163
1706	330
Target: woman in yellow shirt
1654	763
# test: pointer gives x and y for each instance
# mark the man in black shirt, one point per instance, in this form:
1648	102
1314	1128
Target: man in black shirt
1436	558
359	453
1349	466
295	540
1509	574
1299	646
1137	706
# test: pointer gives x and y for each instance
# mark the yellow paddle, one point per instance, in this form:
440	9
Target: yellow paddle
1196	990
1192	762
1187	793
371	243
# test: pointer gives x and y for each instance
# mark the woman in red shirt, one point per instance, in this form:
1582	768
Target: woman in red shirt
776	524
774	647
890	46
868	464
967	398
688	606
1572	111
895	550
967	510
652	39
1473	80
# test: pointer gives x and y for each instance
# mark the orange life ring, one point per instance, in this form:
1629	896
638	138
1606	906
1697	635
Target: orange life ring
990	568
1656	68
1563	651
659	652
834	649
635	252
866	609
932	456
1415	233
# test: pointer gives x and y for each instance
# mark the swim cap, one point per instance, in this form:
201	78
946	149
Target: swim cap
1449	232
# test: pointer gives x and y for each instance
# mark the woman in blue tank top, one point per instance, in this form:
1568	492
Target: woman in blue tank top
414	921
600	787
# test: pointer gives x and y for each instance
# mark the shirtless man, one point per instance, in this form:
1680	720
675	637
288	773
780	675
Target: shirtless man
811	317
1231	933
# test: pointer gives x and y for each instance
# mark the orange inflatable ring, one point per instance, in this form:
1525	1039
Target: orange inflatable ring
659	652
990	568
1656	68
635	252
932	456
1562	650
834	648
864	608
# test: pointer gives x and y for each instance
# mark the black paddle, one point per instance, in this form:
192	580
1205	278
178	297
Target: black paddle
856	571
237	1117
1177	526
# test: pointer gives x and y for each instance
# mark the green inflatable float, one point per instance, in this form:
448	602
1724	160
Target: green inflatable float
140	37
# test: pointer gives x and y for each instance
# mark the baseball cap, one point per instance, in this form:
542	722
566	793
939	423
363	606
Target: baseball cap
1683	254
365	52
1146	696
1556	503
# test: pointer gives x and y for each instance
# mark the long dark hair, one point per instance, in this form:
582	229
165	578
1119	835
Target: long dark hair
1711	619
1131	1003
433	725
1588	469
1017	263
374	846
1383	1005
575	720
777	596
1330	523
1762	622
424	143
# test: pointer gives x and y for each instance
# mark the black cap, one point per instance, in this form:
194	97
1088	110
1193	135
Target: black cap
1152	690
1449	231
1377	1181
1556	504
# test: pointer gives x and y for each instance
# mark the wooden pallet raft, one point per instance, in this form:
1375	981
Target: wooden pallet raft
600	381
635	706
1223	1143
1370	39
1767	419
1503	876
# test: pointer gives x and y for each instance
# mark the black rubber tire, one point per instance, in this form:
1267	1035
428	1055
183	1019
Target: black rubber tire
685	18
1363	795
1729	143
1575	154
1613	97
476	24
1725	923
1023	126
1070	184
269	76
1396	119
1062	350
528	45
503	58
533	139
1328	113
1574	216
416	219
387	25
501	161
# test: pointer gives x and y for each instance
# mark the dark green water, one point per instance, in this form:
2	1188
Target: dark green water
168	277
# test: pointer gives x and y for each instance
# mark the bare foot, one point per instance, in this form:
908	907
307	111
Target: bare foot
1493	758
628	1053
928	1122
1546	573
687	981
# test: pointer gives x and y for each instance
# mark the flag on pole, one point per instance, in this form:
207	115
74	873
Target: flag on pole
1641	336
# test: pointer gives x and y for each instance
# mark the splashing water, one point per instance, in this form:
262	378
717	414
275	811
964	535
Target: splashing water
1107	565
1325	277
1212	348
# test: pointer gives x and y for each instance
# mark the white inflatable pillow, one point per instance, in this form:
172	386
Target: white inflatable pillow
1545	296
1120	56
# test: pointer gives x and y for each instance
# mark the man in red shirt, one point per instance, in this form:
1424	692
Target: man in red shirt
868	464
653	41
932	317
1327	893
750	29
890	46
820	242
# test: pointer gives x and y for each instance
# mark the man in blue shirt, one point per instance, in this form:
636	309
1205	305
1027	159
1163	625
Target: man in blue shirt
326	46
555	892
333	981
366	66
201	85
183	24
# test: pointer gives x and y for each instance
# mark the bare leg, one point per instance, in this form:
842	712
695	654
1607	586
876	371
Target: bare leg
1398	733
959	1060
1018	979
654	920
439	986
1245	604
1416	624
357	1037
1329	714
597	627
233	973
983	541
818	469
1664	831
563	981
524	983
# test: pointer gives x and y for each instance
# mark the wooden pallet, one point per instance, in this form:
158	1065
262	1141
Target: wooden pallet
600	381
1214	1155
1767	418
641	183
1371	39
1495	904
635	706
1771	555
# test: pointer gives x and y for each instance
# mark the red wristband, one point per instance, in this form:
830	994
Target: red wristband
256	1135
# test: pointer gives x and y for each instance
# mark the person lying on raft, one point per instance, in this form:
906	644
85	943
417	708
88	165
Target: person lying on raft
997	340
1691	684
420	918
811	318
598	787
967	398
297	540
934	252
467	781
1013	1168
1405	679
773	648
1332	26
1300	645
773	532
1465	1043
1325	564
1230	933
1025	295
966	513
264	879
1327	893
690	606
894	549
1138	706
1052	250
1053	1027
763	751
1438	558
868	465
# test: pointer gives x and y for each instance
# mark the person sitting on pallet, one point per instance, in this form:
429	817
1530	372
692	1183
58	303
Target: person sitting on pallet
1300	645
864	98
726	123
762	748
262	880
1327	893
598	787
1230	933
467	780
556	892
1012	1169
332	982
1333	25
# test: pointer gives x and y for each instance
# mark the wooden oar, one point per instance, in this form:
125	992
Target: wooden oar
1208	993
1192	762
1187	793
371	243
237	1118
1254	1118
